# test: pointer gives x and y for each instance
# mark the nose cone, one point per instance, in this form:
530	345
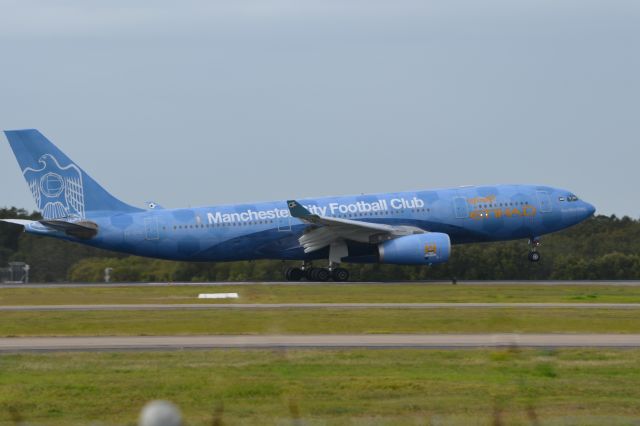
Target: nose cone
587	210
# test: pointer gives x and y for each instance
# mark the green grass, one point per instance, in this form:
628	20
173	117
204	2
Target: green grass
319	293
318	321
326	387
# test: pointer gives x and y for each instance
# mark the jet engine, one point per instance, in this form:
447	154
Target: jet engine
418	249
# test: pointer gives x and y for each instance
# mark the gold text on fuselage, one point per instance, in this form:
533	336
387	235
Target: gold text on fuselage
497	213
482	200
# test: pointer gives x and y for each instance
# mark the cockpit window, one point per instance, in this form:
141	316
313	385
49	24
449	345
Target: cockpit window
572	197
561	198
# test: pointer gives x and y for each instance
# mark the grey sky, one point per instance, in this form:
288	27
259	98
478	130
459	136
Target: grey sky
206	102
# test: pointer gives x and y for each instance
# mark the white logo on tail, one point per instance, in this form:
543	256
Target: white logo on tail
57	190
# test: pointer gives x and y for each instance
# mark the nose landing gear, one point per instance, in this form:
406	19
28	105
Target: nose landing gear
534	255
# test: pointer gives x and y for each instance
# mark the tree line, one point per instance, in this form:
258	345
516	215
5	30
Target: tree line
601	248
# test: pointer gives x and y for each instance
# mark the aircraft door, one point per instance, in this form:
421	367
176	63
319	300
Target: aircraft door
151	229
284	224
544	201
460	207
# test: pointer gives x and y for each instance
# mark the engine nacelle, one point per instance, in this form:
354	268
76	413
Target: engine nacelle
417	249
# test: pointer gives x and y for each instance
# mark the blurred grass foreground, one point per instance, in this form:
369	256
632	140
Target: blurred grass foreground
326	387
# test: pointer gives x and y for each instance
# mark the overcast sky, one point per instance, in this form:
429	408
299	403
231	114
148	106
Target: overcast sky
207	102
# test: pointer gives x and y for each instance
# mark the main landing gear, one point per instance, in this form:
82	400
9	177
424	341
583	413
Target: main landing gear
534	256
310	273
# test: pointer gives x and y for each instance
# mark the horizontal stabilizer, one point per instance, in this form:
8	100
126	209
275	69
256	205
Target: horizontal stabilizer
84	230
22	222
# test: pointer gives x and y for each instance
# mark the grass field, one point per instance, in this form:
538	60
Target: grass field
324	387
318	321
314	293
361	387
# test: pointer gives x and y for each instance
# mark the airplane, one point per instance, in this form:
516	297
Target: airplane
404	228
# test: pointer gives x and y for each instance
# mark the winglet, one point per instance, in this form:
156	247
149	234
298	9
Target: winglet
297	210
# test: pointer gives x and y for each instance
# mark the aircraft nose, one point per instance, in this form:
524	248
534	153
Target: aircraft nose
589	210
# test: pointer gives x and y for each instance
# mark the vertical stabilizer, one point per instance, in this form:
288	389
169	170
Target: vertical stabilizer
60	188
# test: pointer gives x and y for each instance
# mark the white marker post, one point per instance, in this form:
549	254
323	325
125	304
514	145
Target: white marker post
218	296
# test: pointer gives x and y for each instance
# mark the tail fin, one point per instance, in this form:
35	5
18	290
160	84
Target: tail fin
61	189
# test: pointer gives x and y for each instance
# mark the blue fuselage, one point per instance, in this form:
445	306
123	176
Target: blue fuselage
267	231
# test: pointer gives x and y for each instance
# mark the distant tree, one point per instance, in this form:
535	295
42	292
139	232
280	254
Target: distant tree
603	247
10	234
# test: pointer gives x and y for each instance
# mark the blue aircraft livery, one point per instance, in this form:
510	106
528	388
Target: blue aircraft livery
406	228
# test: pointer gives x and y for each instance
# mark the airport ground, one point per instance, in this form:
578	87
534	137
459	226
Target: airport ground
327	387
512	384
318	321
430	292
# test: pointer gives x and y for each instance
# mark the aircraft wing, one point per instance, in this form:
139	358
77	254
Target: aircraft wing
329	230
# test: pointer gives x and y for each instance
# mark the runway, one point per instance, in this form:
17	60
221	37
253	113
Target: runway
305	283
254	306
380	341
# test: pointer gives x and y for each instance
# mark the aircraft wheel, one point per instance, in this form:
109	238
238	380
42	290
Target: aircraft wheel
294	274
287	274
340	274
322	275
310	274
534	256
